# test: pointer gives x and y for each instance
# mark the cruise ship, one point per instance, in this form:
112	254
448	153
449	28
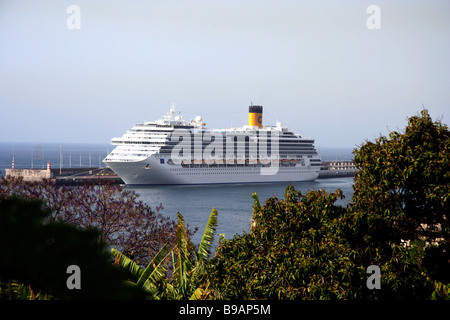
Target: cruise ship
172	151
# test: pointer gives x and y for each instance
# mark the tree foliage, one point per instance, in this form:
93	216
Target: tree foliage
125	222
307	247
295	250
400	206
186	279
35	254
403	184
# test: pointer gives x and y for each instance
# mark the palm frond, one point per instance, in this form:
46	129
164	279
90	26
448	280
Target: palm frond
256	203
155	269
123	261
182	258
197	295
208	237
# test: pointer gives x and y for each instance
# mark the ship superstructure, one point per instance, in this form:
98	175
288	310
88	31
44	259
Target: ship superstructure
173	151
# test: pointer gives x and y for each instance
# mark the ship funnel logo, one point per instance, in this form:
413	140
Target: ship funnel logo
255	116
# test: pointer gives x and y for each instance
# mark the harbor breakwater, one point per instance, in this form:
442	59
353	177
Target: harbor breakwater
74	176
73	163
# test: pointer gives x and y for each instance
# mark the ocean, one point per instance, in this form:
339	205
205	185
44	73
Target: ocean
233	202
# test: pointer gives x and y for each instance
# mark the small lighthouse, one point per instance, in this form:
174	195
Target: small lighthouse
49	166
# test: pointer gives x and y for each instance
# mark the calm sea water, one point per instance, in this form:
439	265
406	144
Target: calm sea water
233	202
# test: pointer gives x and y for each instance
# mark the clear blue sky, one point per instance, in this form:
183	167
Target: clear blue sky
314	65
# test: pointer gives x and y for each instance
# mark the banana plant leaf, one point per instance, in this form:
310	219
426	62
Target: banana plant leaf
204	248
155	269
122	260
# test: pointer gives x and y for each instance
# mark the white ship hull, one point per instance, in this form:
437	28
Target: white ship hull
151	172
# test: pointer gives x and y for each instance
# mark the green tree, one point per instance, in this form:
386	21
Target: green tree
35	254
400	207
125	222
307	247
403	183
296	249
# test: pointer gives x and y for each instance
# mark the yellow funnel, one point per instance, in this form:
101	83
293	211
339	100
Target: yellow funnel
255	116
